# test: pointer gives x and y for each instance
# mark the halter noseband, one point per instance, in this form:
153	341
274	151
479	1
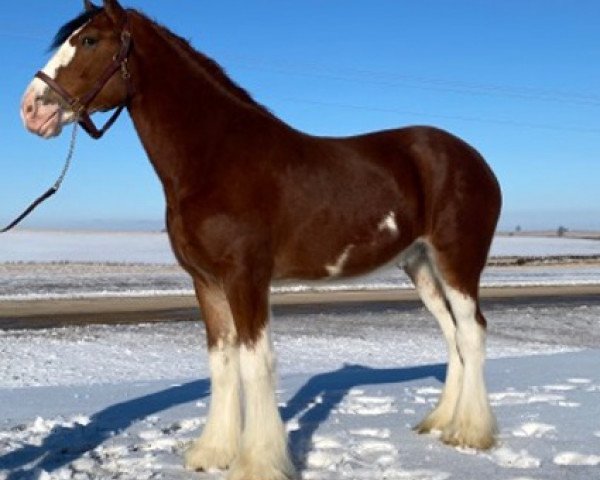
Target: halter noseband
79	105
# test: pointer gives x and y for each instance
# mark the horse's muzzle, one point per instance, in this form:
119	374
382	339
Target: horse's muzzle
41	117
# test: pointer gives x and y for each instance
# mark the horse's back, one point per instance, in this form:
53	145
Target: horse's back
447	171
432	170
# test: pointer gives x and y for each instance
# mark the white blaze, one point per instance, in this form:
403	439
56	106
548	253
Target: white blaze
63	57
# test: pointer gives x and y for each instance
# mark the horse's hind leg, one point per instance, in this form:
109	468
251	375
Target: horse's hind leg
473	423
219	443
430	291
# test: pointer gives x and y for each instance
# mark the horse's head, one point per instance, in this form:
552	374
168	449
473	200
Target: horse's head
82	76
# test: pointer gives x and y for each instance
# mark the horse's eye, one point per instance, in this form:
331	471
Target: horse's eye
89	41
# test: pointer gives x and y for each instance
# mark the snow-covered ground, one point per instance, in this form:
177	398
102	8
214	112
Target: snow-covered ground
100	402
51	246
64	281
122	401
148	247
44	265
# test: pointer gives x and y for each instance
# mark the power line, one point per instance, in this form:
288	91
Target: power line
505	122
411	81
22	35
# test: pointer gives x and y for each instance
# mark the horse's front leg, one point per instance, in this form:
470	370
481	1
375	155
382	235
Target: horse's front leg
220	440
264	451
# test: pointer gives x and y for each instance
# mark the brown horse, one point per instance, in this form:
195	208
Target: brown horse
251	200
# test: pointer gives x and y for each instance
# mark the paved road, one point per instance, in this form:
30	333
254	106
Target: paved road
539	300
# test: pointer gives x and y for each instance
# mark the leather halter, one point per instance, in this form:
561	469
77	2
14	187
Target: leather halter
80	105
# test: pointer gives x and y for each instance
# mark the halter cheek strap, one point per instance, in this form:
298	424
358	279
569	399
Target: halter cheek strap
80	105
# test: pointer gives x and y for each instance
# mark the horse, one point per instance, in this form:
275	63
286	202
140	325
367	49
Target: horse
251	200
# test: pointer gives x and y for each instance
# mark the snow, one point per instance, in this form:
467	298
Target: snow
308	340
55	246
139	429
574	458
65	281
153	247
92	265
543	246
94	402
123	401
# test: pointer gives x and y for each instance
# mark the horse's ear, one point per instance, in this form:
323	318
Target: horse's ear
89	6
114	11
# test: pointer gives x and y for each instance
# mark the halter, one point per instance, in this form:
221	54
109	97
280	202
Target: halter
80	105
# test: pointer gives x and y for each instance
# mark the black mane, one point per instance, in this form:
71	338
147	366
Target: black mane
214	70
68	28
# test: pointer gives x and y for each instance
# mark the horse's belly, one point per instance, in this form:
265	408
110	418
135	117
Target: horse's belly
339	252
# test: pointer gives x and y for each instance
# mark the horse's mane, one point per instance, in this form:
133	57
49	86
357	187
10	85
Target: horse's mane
213	69
215	72
68	28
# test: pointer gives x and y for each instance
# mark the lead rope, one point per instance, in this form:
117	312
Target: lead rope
53	189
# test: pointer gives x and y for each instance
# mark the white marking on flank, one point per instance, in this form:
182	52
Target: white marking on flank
336	269
389	223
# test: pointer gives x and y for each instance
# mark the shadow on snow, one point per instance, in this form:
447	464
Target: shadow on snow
65	444
322	393
313	402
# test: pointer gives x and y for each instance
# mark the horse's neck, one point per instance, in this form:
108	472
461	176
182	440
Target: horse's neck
179	111
213	70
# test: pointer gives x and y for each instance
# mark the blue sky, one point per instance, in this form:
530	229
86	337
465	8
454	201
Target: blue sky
519	80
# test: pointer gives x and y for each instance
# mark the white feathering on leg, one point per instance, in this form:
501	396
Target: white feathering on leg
473	424
220	440
429	290
264	452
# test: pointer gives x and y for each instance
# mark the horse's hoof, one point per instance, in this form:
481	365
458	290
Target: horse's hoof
479	440
245	469
436	420
201	458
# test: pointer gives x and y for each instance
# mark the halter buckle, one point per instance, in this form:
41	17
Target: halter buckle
125	75
76	106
